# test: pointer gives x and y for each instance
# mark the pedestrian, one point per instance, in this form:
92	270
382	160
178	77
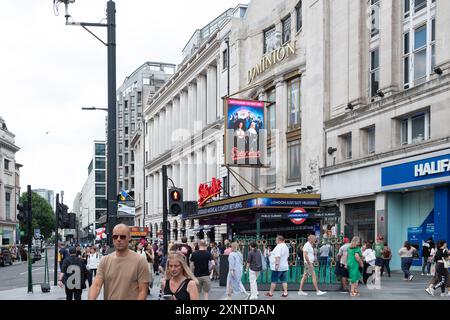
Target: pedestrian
234	279
426	251
78	249
123	273
431	259
72	267
387	256
62	254
441	260
369	261
201	260
150	257
180	283
220	247
279	266
378	249
92	263
300	254
228	248
254	267
342	269
406	254
324	256
309	259
354	264
185	249
215	252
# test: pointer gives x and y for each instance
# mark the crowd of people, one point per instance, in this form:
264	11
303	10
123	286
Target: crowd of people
188	269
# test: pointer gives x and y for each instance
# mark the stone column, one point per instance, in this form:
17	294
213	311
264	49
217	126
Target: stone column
157	145
390	46
176	120
281	143
184	114
201	99
192	101
442	35
162	131
153	193
211	83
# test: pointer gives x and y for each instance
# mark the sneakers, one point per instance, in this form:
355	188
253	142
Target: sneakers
410	277
320	293
430	291
422	274
253	298
246	295
302	293
444	295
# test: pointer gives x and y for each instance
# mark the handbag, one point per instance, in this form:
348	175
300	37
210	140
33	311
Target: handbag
446	263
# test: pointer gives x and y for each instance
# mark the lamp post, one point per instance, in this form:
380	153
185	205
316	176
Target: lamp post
111	216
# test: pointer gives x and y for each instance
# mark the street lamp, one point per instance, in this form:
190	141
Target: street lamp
111	216
94	108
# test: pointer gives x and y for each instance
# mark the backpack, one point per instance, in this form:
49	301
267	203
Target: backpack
386	253
263	261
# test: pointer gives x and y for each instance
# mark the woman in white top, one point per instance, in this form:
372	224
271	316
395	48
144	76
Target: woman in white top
92	262
406	254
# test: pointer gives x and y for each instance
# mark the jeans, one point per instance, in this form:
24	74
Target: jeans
92	273
427	264
323	266
406	265
386	264
253	275
73	294
442	277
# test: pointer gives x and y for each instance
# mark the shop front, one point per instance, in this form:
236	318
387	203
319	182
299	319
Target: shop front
418	200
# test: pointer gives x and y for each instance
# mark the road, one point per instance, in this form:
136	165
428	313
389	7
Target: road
16	276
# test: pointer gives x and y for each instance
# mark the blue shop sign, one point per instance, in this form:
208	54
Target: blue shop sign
416	173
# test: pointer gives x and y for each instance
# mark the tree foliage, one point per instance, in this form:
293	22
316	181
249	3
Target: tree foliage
43	215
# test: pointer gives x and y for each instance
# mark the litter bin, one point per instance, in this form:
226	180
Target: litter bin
223	270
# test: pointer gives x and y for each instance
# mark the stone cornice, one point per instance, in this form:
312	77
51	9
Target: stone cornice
8	145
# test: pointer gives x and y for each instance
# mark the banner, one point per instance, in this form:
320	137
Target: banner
245	133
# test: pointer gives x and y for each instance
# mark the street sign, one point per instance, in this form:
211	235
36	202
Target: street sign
298	215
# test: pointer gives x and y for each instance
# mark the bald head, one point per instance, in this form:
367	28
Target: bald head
311	238
121	237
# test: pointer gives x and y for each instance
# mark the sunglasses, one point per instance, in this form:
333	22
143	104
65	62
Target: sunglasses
122	237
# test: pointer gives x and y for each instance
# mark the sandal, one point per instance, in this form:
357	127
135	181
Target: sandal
268	294
284	295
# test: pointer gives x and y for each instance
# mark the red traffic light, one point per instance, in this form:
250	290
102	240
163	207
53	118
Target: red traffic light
175	195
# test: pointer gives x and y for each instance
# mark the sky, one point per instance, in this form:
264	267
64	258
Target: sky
49	71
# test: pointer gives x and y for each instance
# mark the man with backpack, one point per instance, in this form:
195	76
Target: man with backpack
254	266
186	249
73	275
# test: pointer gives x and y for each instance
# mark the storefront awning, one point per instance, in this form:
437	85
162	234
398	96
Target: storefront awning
248	206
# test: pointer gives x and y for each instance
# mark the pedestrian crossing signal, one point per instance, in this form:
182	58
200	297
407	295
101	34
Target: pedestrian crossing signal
175	201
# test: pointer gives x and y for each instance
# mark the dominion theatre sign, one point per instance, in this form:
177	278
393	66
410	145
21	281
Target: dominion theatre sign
271	59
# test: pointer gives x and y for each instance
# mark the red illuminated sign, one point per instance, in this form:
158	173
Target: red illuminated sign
206	192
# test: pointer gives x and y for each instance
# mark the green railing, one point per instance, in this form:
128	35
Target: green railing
324	269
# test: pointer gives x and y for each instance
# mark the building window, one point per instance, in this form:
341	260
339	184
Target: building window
286	29
298	11
269	40
146	156
419	40
346	146
375	18
272	175
8	205
100	163
132	156
293	161
271	110
126	130
126	105
225	59
415	128
100	176
100	149
6	162
120	161
139	97
100	190
368	140
126	145
126	158
374	71
293	103
101	203
146	182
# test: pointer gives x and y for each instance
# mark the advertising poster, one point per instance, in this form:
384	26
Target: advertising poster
245	133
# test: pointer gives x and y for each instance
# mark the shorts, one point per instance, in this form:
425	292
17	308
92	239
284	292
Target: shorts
279	276
343	271
204	283
309	269
379	262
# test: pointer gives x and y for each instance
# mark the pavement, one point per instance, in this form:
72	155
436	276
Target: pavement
393	288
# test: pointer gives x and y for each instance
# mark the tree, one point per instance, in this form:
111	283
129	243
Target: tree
43	215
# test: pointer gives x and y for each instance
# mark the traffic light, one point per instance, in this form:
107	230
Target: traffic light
61	213
175	201
72	221
22	216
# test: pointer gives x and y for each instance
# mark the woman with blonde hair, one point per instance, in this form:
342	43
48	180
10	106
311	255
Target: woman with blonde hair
235	266
354	263
180	283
